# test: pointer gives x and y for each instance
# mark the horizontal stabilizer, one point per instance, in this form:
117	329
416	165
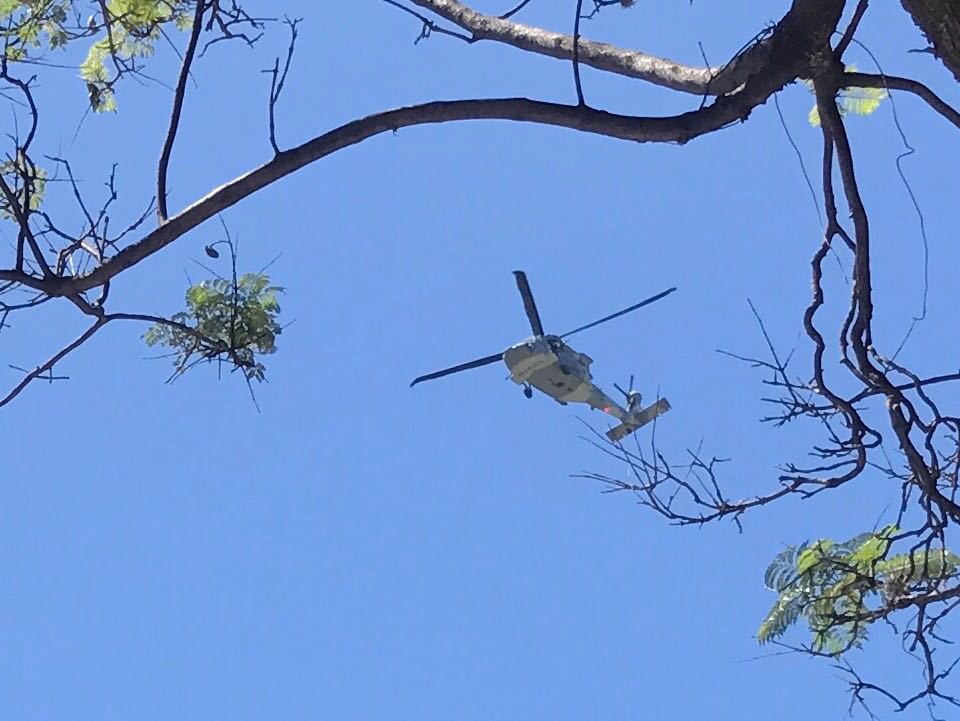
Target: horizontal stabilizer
639	420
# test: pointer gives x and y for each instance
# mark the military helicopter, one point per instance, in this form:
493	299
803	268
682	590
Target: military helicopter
548	364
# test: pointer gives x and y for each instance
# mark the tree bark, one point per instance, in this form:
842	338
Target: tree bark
939	21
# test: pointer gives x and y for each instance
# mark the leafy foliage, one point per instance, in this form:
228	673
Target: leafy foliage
831	585
235	321
850	101
125	31
26	25
132	28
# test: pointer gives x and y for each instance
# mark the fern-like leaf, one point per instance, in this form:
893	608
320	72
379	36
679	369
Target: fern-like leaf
784	613
782	570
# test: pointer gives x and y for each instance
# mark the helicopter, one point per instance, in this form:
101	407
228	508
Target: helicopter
547	363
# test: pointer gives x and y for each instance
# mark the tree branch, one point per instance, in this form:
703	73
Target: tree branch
576	54
851	30
278	79
939	21
178	97
892	82
676	129
602	56
807	26
54	359
21	215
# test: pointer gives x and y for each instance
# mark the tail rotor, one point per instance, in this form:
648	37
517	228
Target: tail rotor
632	397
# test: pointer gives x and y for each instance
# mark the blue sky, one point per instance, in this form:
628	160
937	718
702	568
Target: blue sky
362	550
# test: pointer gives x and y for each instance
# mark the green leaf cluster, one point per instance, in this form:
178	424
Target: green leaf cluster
850	101
26	25
123	31
132	28
835	587
235	321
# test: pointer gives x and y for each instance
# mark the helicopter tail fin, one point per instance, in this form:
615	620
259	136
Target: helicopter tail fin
639	420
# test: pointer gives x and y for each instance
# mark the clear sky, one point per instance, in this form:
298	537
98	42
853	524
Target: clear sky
363	550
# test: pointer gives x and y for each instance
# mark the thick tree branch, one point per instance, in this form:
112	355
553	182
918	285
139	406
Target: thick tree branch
902	415
788	52
678	129
807	26
939	21
603	56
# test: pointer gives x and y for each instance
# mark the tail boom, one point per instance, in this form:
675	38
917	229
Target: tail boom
638	420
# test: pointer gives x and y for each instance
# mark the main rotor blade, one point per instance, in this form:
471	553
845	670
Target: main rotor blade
456	369
528	304
632	308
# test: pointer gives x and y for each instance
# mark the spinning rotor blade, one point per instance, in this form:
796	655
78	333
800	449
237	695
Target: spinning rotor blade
632	308
528	304
456	369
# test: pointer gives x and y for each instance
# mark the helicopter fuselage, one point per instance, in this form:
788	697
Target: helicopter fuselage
551	366
548	364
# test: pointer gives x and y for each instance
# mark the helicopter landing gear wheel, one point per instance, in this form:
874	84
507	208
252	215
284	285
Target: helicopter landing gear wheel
528	391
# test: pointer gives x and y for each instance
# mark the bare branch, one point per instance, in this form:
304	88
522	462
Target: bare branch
851	30
278	78
429	26
513	11
808	24
892	82
178	97
21	215
576	53
53	360
676	129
